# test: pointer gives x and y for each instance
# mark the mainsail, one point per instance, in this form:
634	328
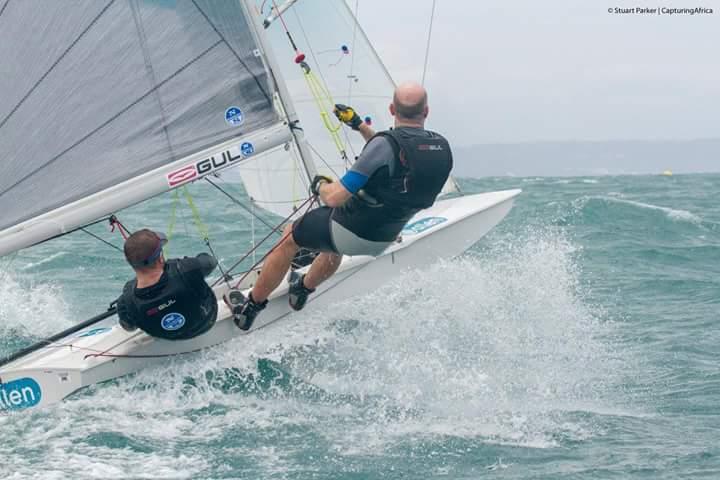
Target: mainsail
107	103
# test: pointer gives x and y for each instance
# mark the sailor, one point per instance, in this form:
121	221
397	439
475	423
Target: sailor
167	299
399	172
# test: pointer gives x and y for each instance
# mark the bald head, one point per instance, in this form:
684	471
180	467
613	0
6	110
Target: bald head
410	103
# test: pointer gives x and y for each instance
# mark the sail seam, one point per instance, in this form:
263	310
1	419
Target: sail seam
151	73
222	38
52	67
111	119
2	10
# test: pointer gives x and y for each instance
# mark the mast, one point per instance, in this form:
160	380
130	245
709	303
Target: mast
282	90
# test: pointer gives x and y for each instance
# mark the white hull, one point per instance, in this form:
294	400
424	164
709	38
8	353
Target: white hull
106	351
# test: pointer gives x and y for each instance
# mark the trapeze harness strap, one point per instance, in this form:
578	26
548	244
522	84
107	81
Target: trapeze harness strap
180	311
423	161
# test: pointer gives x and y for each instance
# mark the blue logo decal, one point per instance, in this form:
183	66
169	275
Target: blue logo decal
247	149
234	116
172	321
21	393
422	225
95	331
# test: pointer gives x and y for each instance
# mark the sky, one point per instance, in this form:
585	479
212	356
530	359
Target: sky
517	71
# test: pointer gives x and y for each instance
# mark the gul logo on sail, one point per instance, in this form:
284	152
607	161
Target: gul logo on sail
210	164
19	394
181	176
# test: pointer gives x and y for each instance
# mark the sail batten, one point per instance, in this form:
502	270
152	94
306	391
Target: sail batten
93	95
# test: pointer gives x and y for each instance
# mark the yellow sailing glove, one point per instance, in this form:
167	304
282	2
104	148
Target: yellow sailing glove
348	116
317	181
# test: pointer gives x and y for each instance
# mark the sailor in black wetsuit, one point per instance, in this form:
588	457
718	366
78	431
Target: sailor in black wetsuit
399	172
168	299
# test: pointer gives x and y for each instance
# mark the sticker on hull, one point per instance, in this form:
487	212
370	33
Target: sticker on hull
95	331
422	225
19	394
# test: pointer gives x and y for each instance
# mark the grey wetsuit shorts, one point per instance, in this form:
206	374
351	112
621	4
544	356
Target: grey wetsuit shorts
316	230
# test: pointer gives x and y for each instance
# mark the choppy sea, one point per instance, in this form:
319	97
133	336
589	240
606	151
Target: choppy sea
579	339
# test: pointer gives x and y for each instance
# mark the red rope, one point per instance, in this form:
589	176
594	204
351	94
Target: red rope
123	231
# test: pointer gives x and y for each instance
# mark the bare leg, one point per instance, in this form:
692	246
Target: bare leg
275	267
321	269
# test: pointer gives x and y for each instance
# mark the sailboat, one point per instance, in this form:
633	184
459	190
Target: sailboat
110	103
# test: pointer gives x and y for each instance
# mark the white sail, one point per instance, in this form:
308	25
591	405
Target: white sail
344	68
105	92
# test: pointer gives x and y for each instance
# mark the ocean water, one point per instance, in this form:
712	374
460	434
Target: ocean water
578	340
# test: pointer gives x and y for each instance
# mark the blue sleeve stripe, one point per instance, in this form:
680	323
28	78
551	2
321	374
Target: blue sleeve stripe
353	181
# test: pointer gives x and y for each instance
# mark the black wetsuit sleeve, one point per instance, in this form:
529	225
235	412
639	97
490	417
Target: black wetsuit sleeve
125	314
206	263
197	268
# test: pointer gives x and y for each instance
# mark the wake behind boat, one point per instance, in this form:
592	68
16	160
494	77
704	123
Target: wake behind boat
181	93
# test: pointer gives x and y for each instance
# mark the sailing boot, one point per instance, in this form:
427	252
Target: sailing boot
298	292
244	309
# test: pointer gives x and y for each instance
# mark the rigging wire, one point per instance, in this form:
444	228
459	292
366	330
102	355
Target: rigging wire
322	77
427	48
239	203
277	227
318	89
322	159
102	240
311	201
352	53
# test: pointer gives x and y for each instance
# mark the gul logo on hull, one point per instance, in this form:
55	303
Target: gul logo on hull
209	164
422	225
19	394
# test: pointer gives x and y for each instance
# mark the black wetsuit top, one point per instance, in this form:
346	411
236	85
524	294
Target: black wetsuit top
401	171
179	306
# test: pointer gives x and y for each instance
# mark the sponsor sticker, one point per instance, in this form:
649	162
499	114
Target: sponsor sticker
182	175
234	116
172	321
214	162
247	149
95	331
20	393
422	225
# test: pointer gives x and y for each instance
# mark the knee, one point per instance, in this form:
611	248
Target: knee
288	239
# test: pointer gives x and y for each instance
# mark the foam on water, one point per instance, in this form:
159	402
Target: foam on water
500	349
31	308
671	213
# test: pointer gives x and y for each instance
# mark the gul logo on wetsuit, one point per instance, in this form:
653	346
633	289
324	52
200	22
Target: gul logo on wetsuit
18	394
172	321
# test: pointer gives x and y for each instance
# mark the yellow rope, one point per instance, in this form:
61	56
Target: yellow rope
320	94
201	227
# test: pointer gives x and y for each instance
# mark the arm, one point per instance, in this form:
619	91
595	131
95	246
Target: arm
124	317
377	154
366	131
334	194
206	263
